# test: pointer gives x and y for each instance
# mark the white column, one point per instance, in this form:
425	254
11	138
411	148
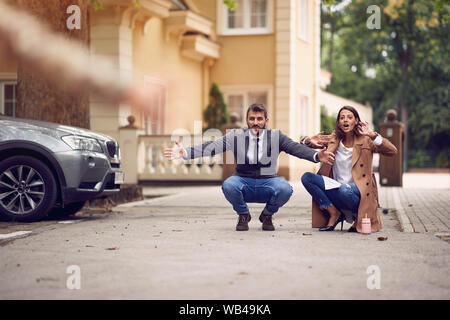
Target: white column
112	39
285	69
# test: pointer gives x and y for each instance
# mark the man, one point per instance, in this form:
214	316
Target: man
256	152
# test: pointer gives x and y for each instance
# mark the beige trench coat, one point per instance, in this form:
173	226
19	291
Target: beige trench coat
363	178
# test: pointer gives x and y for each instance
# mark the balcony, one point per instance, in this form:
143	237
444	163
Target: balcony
182	21
198	47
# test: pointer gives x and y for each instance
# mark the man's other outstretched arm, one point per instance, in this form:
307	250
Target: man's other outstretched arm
207	149
304	152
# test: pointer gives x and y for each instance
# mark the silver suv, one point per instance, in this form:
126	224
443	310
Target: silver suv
47	167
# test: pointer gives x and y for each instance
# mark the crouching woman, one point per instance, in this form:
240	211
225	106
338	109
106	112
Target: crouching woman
346	189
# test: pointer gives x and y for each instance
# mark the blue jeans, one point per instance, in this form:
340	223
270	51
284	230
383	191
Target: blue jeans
346	197
275	192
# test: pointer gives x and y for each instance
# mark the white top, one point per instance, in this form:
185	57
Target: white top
342	166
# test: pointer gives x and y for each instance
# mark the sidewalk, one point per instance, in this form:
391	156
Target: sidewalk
198	254
422	204
184	246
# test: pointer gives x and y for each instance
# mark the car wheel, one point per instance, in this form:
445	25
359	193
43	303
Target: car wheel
27	189
68	209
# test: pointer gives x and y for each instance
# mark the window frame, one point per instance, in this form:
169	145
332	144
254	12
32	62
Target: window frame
302	114
303	20
224	30
2	95
164	85
245	90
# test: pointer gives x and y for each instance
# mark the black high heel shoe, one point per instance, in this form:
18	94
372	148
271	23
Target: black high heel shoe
331	228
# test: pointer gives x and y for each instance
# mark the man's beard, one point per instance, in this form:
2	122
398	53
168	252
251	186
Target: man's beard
256	126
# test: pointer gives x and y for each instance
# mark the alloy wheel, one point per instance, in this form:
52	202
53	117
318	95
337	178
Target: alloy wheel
22	189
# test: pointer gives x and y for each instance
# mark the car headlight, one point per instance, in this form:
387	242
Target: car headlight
82	143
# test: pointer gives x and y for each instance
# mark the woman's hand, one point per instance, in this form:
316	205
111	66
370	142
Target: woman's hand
318	140
364	130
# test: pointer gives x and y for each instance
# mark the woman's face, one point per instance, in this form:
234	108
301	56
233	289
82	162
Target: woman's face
347	121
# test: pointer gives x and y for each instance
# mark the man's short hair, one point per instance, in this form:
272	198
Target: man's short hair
257	107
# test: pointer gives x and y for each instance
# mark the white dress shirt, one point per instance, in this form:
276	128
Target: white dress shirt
252	146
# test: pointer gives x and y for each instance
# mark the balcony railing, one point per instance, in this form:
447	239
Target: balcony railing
154	167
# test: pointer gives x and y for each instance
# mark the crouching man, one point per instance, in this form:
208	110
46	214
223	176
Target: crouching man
256	150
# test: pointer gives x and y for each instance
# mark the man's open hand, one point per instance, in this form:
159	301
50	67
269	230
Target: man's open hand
326	157
174	153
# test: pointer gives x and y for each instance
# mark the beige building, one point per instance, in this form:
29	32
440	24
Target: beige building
266	51
270	54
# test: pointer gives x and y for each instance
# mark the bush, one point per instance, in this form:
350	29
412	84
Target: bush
216	113
327	122
419	159
442	160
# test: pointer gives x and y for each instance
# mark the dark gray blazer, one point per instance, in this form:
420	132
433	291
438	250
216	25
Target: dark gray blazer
237	140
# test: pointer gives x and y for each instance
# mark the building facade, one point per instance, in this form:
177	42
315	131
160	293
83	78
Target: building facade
266	51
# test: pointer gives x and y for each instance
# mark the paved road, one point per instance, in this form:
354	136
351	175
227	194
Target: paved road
183	246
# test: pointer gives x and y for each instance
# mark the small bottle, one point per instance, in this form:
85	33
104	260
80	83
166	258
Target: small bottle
366	225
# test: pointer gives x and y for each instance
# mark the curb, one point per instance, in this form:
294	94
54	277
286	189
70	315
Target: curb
405	223
125	206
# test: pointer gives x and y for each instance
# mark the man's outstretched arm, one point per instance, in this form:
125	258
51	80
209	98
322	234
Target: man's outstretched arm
304	152
207	149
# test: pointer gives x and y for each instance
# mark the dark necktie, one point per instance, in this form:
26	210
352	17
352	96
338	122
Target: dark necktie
257	151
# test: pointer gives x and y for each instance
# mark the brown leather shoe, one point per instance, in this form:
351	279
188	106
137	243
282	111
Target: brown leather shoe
267	224
243	221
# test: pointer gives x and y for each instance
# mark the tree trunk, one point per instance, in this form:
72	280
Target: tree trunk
404	63
321	36
330	49
37	98
404	115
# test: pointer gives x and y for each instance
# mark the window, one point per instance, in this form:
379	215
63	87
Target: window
236	17
303	116
302	19
154	116
250	17
239	101
235	103
8	98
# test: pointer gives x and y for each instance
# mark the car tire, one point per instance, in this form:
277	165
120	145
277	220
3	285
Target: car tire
28	189
69	209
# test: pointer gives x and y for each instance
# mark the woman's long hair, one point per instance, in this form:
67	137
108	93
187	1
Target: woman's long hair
339	133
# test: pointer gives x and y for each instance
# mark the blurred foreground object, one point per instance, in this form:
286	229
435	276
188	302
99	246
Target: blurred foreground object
56	71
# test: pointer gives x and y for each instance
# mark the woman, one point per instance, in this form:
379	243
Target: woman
346	189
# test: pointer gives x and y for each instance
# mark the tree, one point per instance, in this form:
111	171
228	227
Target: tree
37	98
327	123
215	114
408	54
